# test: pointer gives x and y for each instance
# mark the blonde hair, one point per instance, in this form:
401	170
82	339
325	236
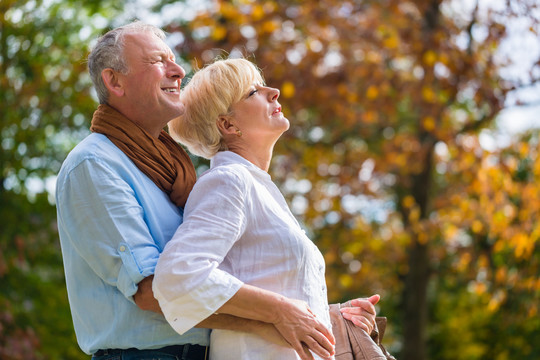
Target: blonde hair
210	94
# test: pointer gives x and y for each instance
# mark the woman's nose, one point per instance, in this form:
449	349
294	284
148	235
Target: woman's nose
273	94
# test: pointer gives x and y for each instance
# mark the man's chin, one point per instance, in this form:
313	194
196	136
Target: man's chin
176	112
180	110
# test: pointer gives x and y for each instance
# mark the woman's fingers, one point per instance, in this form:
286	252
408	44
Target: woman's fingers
328	335
364	304
362	312
305	353
320	345
360	321
315	337
301	328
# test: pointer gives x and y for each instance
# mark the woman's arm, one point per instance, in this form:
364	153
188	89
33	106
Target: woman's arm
274	317
292	318
191	287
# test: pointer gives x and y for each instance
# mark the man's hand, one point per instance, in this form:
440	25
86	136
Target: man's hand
144	297
362	312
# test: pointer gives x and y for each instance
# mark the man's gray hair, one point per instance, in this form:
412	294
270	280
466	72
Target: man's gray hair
109	53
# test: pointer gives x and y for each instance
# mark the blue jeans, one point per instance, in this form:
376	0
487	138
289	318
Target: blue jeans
185	353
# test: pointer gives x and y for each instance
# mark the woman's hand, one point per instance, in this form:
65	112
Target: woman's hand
292	318
301	328
362	312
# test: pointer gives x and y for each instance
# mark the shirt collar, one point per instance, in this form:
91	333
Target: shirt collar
229	157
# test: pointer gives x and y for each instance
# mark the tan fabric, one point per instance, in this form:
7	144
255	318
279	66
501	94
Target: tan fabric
353	343
163	160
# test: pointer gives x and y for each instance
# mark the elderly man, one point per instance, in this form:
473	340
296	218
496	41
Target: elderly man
120	195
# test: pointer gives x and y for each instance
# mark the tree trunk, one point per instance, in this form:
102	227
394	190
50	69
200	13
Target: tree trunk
416	281
415	300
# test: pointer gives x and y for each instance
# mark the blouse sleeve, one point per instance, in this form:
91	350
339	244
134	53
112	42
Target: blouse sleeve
187	283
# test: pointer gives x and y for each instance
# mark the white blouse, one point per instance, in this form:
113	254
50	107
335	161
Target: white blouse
237	229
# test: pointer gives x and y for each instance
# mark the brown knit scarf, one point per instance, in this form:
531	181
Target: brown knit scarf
163	160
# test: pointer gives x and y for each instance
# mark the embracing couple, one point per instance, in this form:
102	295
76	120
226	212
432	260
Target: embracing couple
155	259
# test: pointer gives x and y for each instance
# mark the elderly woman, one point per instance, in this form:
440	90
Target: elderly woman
240	251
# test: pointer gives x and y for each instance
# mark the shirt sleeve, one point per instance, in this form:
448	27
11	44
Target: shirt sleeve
102	218
188	283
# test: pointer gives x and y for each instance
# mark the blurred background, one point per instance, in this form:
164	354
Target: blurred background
412	158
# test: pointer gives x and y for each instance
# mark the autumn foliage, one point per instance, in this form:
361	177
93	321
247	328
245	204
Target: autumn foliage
384	162
384	166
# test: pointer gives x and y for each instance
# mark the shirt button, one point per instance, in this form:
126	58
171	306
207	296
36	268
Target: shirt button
122	248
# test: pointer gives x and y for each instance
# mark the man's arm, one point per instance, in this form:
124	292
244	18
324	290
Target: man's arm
229	322
144	298
271	316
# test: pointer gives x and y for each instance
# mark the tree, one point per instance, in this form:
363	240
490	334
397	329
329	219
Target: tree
387	100
383	162
46	106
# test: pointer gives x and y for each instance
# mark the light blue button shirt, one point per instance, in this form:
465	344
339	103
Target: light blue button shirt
113	223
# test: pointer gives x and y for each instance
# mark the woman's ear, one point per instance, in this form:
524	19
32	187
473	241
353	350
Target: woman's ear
113	82
225	125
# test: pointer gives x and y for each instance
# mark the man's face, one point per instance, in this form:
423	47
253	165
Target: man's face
152	84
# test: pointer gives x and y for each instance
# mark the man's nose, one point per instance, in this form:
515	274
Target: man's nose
176	71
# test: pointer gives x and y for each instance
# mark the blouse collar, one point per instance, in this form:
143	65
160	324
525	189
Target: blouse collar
229	157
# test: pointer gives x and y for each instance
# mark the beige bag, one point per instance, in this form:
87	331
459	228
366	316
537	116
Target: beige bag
353	343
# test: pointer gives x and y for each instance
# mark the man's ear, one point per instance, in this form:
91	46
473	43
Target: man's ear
225	125
112	82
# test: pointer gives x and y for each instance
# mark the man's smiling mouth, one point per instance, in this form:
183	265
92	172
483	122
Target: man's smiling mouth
170	90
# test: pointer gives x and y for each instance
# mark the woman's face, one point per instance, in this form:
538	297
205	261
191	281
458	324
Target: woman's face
258	115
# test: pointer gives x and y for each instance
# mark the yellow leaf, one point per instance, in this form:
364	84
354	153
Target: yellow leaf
477	226
342	89
369	117
464	261
352	97
422	238
496	300
372	92
345	280
429	123
219	33
500	275
288	89
533	311
408	201
391	42
523	245
430	57
428	94
414	215
480	288
228	10
443	58
269	26
258	12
